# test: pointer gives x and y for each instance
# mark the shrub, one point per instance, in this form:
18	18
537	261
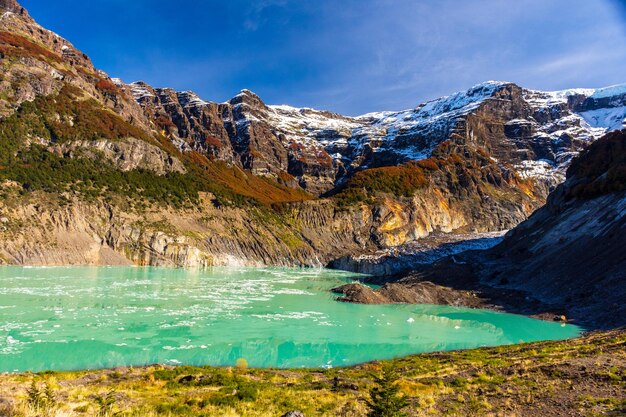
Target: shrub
41	399
12	44
164	123
247	391
105	404
428	164
107	86
241	364
401	181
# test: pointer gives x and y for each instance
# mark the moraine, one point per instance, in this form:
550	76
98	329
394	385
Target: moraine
66	318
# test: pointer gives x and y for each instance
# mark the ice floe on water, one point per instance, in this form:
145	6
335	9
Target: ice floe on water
269	316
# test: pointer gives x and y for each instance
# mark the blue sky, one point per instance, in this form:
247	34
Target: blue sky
349	56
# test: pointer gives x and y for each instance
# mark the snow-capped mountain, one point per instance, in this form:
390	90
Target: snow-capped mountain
534	132
117	141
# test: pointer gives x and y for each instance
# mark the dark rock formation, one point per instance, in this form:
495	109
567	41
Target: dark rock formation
423	292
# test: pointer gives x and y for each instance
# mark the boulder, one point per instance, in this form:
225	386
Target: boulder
294	413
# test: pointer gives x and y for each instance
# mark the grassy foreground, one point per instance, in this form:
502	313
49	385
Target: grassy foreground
579	377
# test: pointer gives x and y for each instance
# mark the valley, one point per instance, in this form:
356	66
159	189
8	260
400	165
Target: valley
298	187
162	254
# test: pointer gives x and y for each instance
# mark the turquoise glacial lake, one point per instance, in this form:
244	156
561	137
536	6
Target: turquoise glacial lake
69	318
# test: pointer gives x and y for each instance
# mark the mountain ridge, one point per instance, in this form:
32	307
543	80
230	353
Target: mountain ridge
343	144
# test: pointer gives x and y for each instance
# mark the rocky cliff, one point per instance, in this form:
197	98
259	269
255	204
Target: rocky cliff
93	170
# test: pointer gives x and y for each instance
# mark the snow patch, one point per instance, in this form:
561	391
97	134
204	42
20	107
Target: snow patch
140	91
611	119
190	99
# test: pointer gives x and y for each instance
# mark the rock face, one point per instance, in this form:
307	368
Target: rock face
126	154
38	62
570	252
567	256
12	6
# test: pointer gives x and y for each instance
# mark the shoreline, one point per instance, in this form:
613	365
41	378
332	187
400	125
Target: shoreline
521	379
412	288
582	334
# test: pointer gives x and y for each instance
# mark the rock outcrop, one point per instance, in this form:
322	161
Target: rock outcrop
13	7
125	154
410	293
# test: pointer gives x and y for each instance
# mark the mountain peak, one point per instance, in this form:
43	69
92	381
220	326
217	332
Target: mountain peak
247	97
12	6
247	93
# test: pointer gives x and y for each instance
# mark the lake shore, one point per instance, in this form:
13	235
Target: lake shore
577	377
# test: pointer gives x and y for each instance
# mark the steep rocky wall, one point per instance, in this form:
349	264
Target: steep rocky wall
38	230
125	154
38	62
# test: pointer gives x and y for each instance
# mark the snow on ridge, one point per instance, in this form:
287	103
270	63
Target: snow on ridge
304	125
610	91
244	92
190	99
543	99
350	135
413	134
462	99
140	91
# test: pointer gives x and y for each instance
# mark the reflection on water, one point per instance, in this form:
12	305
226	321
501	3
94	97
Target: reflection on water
81	317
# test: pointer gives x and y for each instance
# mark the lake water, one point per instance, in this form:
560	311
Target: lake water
68	318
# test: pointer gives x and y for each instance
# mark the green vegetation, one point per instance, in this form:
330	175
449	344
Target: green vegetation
582	377
36	169
68	116
39	170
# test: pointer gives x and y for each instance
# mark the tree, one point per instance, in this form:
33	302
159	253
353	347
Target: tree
385	399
